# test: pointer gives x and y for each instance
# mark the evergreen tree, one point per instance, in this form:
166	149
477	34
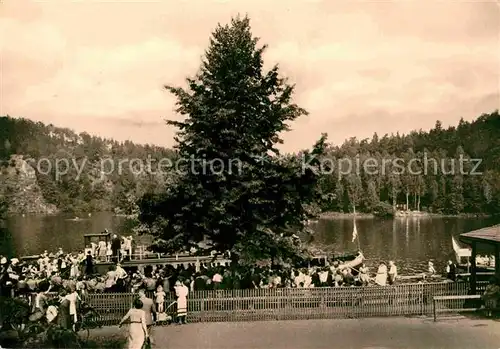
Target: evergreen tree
234	113
372	197
354	189
456	197
339	197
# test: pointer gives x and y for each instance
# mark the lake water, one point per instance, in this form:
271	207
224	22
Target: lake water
411	242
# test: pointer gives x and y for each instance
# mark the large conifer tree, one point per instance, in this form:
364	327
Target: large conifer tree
244	196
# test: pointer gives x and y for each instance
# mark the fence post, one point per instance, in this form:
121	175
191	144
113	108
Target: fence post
434	308
421	293
202	309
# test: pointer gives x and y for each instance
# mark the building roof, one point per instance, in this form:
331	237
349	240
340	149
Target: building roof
488	235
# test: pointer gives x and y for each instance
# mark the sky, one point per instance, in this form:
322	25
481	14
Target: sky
359	67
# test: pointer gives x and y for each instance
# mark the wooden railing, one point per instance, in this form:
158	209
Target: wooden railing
455	304
294	303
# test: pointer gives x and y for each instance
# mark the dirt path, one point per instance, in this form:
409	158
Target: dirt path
385	333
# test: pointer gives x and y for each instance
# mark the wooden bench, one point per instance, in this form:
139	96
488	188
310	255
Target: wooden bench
437	299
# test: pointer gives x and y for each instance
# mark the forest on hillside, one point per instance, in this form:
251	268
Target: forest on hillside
441	186
93	189
438	191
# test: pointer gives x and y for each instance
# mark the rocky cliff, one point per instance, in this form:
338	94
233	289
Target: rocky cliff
21	189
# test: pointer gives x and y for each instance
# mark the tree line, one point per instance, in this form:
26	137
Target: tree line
450	171
376	188
370	189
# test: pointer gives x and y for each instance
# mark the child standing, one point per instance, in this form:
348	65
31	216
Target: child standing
160	299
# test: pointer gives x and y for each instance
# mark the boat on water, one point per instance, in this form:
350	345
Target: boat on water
141	257
321	259
463	255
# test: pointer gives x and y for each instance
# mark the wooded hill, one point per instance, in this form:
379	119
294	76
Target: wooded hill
369	190
440	186
93	190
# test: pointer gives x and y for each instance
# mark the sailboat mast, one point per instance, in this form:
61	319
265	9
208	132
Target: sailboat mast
355	230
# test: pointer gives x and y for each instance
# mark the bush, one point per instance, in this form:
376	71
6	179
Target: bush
383	209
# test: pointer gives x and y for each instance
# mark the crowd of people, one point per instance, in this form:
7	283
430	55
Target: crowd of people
59	270
72	275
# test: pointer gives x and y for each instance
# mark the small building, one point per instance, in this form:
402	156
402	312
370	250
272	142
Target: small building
486	242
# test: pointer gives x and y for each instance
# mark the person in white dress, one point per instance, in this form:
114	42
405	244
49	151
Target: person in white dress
431	269
93	247
138	331
110	280
102	250
75	267
128	246
181	292
381	278
393	273
73	298
109	251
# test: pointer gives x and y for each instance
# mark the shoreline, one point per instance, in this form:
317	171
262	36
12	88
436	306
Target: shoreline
400	214
324	215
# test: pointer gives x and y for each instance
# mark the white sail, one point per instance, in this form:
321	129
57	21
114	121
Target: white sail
354	228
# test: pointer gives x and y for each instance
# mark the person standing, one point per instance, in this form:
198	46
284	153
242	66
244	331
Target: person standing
381	278
110	280
451	271
160	302
138	331
128	246
217	280
393	272
89	264
102	250
431	269
116	247
149	310
75	267
121	277
181	292
73	299
109	251
364	277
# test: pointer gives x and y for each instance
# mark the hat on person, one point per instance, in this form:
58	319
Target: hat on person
3	260
178	283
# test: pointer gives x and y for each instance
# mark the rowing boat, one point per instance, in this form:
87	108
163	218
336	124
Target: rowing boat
353	263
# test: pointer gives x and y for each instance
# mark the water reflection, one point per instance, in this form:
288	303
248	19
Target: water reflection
34	234
6	241
411	242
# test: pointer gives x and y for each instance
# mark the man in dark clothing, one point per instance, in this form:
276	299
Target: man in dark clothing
89	264
348	278
116	246
199	282
451	271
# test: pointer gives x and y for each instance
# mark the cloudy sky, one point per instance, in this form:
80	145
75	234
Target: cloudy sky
359	67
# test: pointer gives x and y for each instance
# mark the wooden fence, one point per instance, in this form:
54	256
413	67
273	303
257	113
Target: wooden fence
296	303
